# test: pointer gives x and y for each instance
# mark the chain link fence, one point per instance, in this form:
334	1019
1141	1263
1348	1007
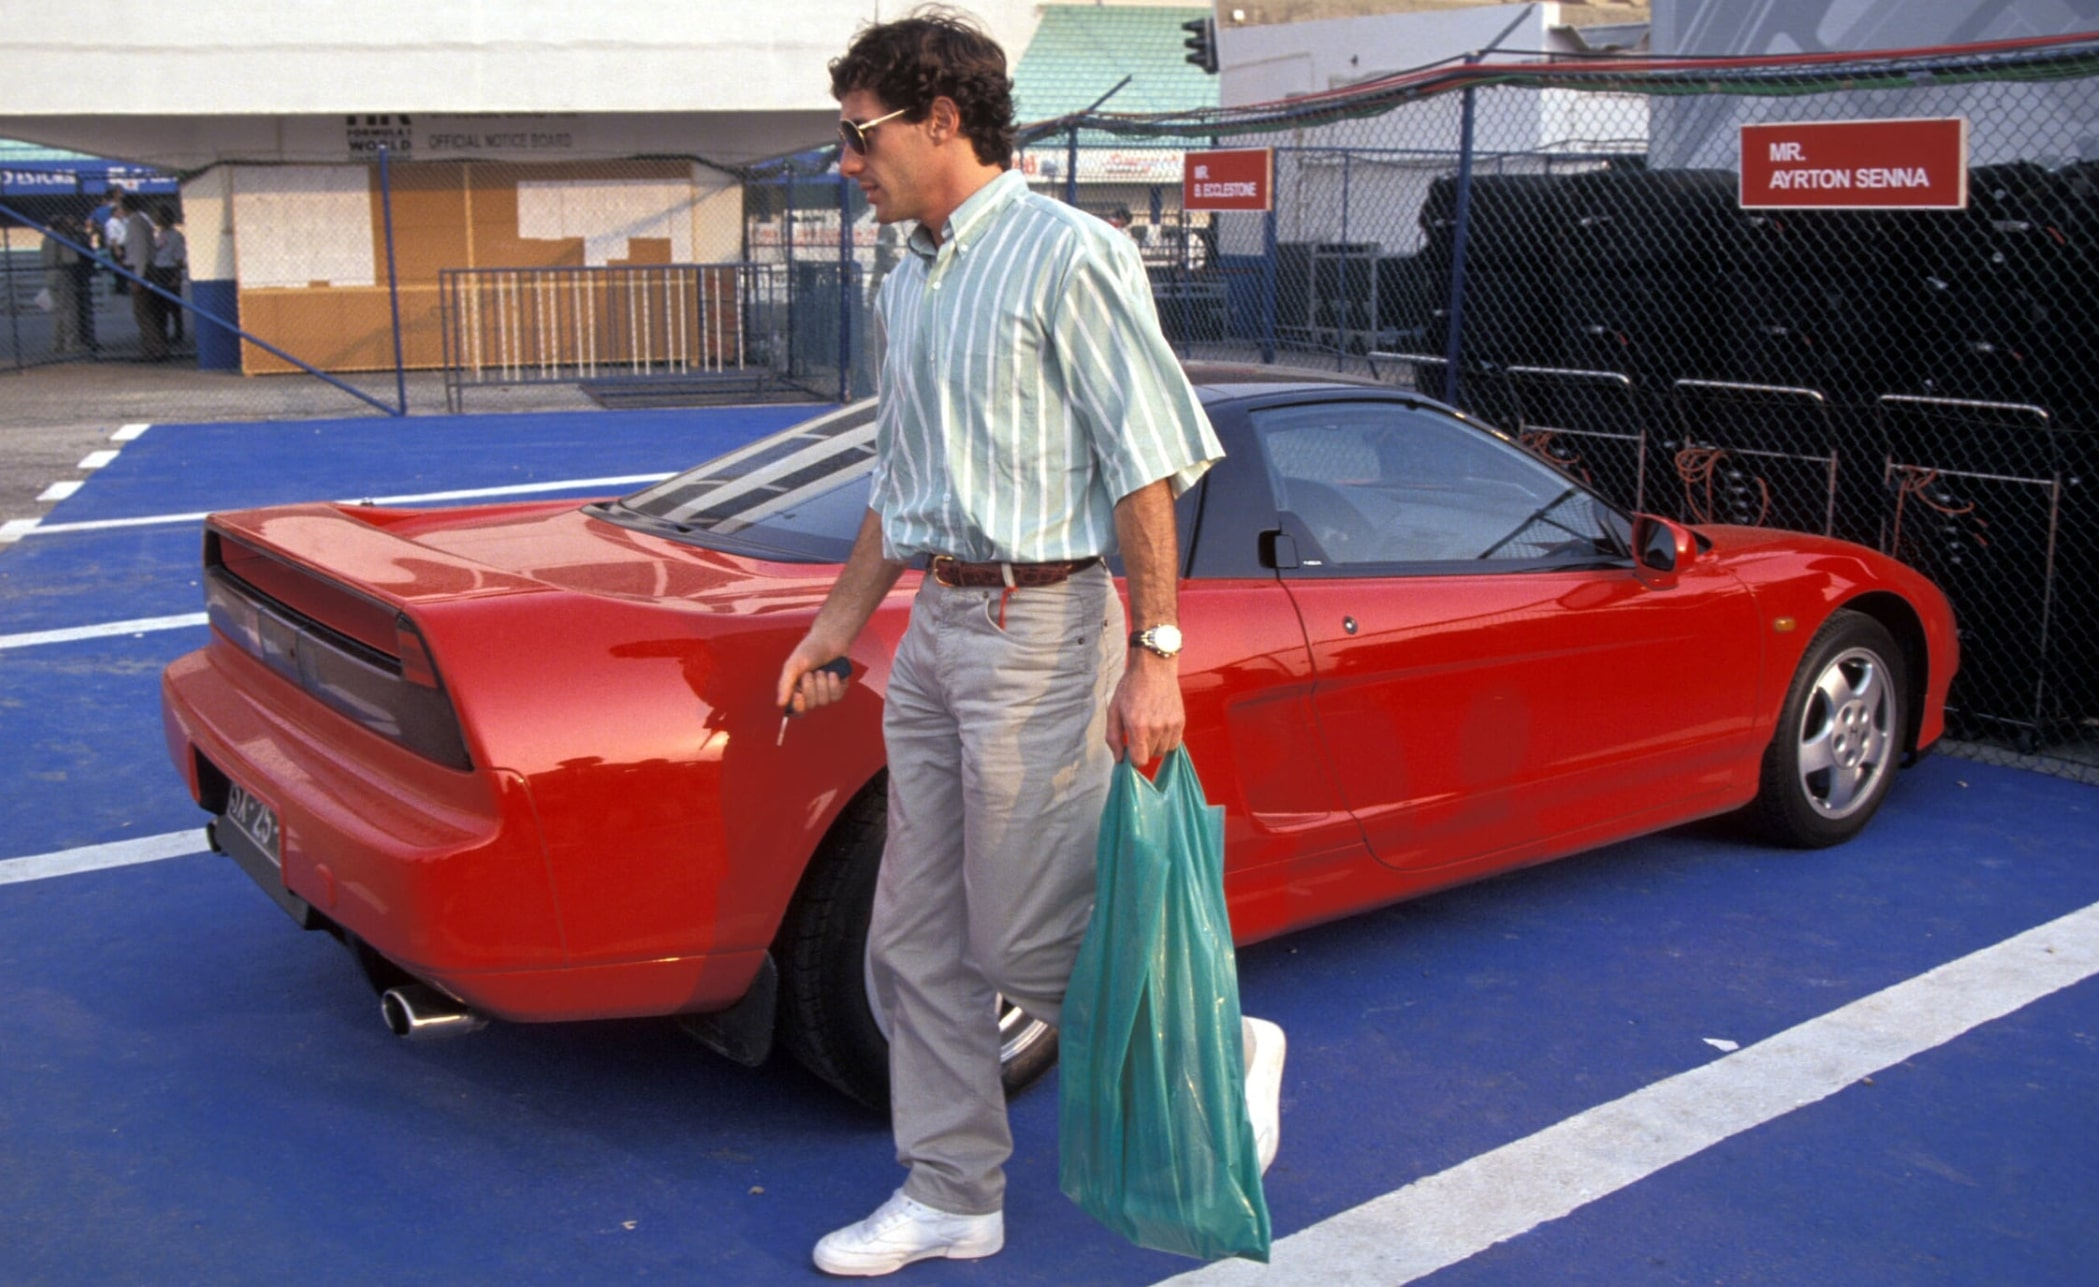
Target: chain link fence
1563	251
1557	247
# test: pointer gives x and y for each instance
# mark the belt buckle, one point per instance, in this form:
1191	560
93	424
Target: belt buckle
940	566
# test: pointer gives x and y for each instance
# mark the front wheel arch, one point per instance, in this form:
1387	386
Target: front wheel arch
1899	618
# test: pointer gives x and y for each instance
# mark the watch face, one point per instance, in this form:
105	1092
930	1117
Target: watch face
1165	639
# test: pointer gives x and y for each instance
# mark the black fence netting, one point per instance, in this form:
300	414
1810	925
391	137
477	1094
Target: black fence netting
1565	251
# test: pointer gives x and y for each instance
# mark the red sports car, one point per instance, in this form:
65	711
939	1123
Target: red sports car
524	759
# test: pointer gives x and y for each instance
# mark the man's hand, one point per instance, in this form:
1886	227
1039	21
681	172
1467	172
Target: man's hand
803	687
1145	717
866	577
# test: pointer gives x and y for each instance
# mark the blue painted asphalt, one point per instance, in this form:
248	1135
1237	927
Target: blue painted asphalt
179	468
192	1090
77	578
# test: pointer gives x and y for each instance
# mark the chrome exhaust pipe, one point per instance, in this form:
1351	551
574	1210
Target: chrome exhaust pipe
419	1012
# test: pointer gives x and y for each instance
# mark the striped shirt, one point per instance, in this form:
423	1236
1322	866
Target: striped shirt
1025	387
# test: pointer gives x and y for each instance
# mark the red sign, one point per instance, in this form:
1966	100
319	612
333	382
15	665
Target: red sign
1856	165
1243	179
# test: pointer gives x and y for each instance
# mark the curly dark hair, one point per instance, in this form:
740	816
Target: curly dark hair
934	53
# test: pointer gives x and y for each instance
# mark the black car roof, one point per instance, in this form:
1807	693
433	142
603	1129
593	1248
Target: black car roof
1215	381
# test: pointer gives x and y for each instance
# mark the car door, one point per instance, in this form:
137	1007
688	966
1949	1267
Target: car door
1492	675
1247	681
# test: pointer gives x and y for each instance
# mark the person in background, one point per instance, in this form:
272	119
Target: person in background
170	260
108	222
83	230
61	280
98	221
138	257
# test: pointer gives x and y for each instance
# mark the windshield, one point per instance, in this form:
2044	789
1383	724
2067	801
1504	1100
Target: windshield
798	494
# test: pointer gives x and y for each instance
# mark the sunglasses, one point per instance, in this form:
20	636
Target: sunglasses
853	134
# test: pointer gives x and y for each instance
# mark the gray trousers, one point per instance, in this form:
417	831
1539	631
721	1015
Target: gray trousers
998	771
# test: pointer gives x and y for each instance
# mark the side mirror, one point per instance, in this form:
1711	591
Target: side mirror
1662	549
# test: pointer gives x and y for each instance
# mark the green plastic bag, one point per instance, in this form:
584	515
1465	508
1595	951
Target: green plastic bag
1153	1136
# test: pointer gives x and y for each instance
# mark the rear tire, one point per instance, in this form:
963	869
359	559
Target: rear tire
1839	738
826	1019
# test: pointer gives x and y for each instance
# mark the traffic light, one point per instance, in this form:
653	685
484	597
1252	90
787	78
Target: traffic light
1201	43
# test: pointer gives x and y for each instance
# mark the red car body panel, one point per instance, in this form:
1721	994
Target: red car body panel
629	835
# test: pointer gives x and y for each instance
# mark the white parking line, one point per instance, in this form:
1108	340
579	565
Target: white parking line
139	626
16	528
30	527
34	528
1451	1216
121	853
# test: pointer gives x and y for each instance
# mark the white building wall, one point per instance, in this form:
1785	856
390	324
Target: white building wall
276	112
2051	124
184	86
1374	193
210	57
1819	26
1268	63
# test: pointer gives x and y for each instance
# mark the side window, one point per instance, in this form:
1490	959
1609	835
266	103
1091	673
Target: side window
1383	482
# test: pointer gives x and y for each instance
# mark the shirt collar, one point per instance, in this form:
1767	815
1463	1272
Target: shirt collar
993	196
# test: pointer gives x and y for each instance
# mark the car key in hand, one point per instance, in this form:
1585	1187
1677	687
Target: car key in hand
839	666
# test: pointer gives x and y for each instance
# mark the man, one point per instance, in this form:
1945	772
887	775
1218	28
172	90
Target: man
1031	419
108	222
138	257
170	260
61	265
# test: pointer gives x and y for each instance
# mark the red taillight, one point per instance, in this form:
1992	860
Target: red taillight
416	666
393	692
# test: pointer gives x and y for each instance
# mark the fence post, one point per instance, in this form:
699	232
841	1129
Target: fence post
1462	217
1071	151
14	314
1348	156
845	290
1370	291
393	281
1268	308
787	249
1453	343
1071	167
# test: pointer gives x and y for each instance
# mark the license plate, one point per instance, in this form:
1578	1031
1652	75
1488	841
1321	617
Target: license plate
256	820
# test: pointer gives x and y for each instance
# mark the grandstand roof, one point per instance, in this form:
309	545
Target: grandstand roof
1079	52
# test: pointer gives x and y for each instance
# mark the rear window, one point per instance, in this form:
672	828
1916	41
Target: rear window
797	495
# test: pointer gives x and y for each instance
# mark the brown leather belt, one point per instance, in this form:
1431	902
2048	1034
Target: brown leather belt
954	572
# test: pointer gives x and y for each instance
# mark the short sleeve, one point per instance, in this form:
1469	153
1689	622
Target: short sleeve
1139	413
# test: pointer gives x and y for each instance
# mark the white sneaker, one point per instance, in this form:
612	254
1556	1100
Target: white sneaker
1265	1047
901	1231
